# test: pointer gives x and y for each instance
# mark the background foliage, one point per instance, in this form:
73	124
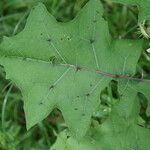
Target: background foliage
122	24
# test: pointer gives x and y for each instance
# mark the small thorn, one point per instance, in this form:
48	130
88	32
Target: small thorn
142	77
24	59
117	76
78	68
52	59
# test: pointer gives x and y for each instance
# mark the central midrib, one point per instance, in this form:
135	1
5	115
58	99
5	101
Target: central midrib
80	68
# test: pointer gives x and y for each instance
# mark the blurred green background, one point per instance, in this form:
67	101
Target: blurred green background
122	21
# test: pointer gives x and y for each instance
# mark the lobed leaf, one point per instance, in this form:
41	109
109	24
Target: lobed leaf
66	65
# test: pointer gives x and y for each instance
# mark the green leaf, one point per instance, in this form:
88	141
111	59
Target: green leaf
143	6
128	91
66	65
45	87
145	89
116	133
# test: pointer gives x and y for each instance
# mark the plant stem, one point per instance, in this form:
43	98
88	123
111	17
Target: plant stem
4	107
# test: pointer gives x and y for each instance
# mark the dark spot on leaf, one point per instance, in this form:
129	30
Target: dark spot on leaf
61	39
68	136
83	114
121	95
78	96
49	40
92	41
87	94
68	38
94	21
51	87
97	12
41	33
41	103
76	109
91	85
